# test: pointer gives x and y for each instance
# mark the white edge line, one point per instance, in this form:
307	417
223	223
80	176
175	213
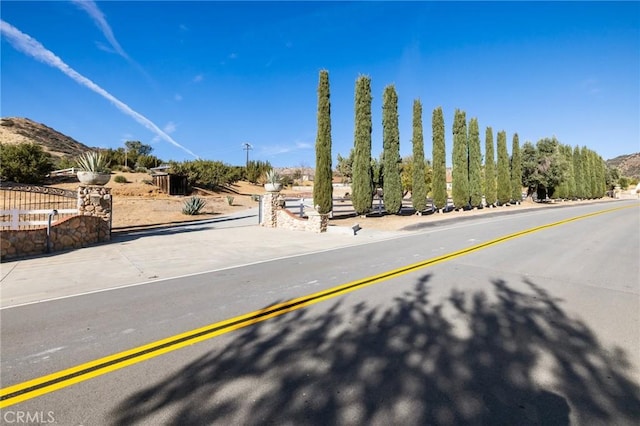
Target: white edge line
102	290
226	268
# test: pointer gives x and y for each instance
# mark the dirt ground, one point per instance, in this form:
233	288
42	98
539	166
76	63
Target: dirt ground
137	204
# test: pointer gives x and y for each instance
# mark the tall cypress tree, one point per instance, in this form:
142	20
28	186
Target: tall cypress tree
362	185
439	182
504	176
596	174
392	184
489	168
563	190
586	172
419	185
571	176
602	177
460	157
516	170
577	170
594	177
475	164
322	184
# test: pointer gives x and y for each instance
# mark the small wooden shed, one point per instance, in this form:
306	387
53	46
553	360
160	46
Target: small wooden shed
169	183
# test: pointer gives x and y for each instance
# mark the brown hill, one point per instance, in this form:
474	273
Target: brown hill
15	130
629	165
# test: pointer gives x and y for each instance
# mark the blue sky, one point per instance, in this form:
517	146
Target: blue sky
203	78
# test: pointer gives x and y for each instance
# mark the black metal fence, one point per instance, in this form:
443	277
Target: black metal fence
30	206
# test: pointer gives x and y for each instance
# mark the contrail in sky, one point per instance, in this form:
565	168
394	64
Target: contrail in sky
99	19
96	14
32	47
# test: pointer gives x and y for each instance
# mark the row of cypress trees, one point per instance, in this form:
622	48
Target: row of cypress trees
586	176
502	181
467	157
362	183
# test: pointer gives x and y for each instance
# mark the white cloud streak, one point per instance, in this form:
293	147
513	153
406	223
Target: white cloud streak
96	14
99	19
170	127
32	47
273	150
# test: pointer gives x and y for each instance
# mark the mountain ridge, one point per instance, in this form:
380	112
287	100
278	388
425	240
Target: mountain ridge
629	164
16	130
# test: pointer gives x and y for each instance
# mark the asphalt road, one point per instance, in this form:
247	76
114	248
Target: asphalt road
543	328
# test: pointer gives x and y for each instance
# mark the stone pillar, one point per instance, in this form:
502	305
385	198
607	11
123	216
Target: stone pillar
96	201
270	205
317	222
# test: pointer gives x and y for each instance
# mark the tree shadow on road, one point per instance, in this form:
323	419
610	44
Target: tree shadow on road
467	360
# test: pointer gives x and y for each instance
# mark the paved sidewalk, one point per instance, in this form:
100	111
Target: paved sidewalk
160	253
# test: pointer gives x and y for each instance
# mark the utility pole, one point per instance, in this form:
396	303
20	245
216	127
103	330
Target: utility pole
247	147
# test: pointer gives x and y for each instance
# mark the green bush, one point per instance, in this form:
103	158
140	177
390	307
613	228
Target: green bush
256	169
24	163
230	200
64	163
120	179
193	205
206	174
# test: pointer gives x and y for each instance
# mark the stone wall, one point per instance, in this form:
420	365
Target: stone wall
274	215
95	201
92	225
70	233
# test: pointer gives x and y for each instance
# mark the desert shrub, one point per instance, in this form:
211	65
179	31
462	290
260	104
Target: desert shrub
147	181
193	205
64	163
230	200
147	161
120	179
204	173
24	163
286	180
255	170
623	182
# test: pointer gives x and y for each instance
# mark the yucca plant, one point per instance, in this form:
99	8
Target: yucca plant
92	161
272	177
193	205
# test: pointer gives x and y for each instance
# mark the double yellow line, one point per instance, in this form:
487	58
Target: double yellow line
52	382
